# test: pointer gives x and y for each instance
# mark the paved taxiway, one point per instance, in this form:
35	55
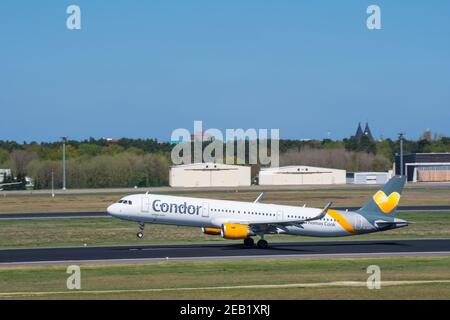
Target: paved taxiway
74	215
255	188
199	251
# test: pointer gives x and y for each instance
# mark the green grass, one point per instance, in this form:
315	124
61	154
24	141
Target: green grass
313	197
214	273
111	231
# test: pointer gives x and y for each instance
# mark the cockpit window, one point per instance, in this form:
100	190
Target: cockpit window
125	202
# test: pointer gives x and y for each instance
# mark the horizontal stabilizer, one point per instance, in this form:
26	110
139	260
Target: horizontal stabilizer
391	224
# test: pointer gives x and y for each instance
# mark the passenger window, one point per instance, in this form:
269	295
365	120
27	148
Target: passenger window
129	202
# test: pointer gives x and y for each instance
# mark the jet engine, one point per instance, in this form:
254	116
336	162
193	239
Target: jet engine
235	231
212	231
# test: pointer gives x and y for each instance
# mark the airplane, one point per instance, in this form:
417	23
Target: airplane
238	220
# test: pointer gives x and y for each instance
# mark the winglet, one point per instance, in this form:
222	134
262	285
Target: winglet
260	197
322	214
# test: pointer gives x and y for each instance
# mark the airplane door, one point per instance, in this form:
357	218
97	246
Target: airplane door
279	215
205	209
145	204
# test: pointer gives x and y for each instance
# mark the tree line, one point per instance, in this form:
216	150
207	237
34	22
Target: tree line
95	163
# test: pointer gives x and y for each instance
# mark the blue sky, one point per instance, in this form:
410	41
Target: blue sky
145	68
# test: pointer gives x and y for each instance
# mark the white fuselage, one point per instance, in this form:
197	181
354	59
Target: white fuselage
209	213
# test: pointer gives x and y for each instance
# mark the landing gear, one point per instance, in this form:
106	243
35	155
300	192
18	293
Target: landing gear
262	244
140	234
249	242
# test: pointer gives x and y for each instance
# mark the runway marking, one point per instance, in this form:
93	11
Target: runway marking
257	286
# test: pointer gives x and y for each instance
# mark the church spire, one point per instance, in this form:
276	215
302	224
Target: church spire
359	132
367	132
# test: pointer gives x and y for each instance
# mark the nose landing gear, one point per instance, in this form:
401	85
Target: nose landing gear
140	234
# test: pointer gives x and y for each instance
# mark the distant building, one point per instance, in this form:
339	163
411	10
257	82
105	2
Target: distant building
4	173
360	133
111	139
29	183
369	177
209	175
425	167
368	133
297	175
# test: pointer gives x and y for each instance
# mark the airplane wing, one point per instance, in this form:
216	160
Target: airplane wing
278	223
260	197
275	225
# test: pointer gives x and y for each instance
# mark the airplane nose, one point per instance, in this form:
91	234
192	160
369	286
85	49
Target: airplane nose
112	210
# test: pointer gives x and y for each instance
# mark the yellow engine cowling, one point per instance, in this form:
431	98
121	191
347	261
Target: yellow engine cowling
235	231
212	231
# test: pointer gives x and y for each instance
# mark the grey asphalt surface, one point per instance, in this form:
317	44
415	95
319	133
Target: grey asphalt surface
255	188
66	215
199	251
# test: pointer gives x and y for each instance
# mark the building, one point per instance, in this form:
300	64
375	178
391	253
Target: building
4	173
360	133
296	175
369	177
209	175
425	167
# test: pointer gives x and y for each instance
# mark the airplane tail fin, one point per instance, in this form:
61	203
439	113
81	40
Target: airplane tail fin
386	200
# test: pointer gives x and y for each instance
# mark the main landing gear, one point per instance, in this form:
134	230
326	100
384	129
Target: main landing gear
261	244
140	234
249	242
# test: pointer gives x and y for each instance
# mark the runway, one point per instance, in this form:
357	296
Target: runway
78	215
229	250
252	188
53	215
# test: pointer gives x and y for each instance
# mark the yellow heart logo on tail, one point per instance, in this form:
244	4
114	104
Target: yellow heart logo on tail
385	203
